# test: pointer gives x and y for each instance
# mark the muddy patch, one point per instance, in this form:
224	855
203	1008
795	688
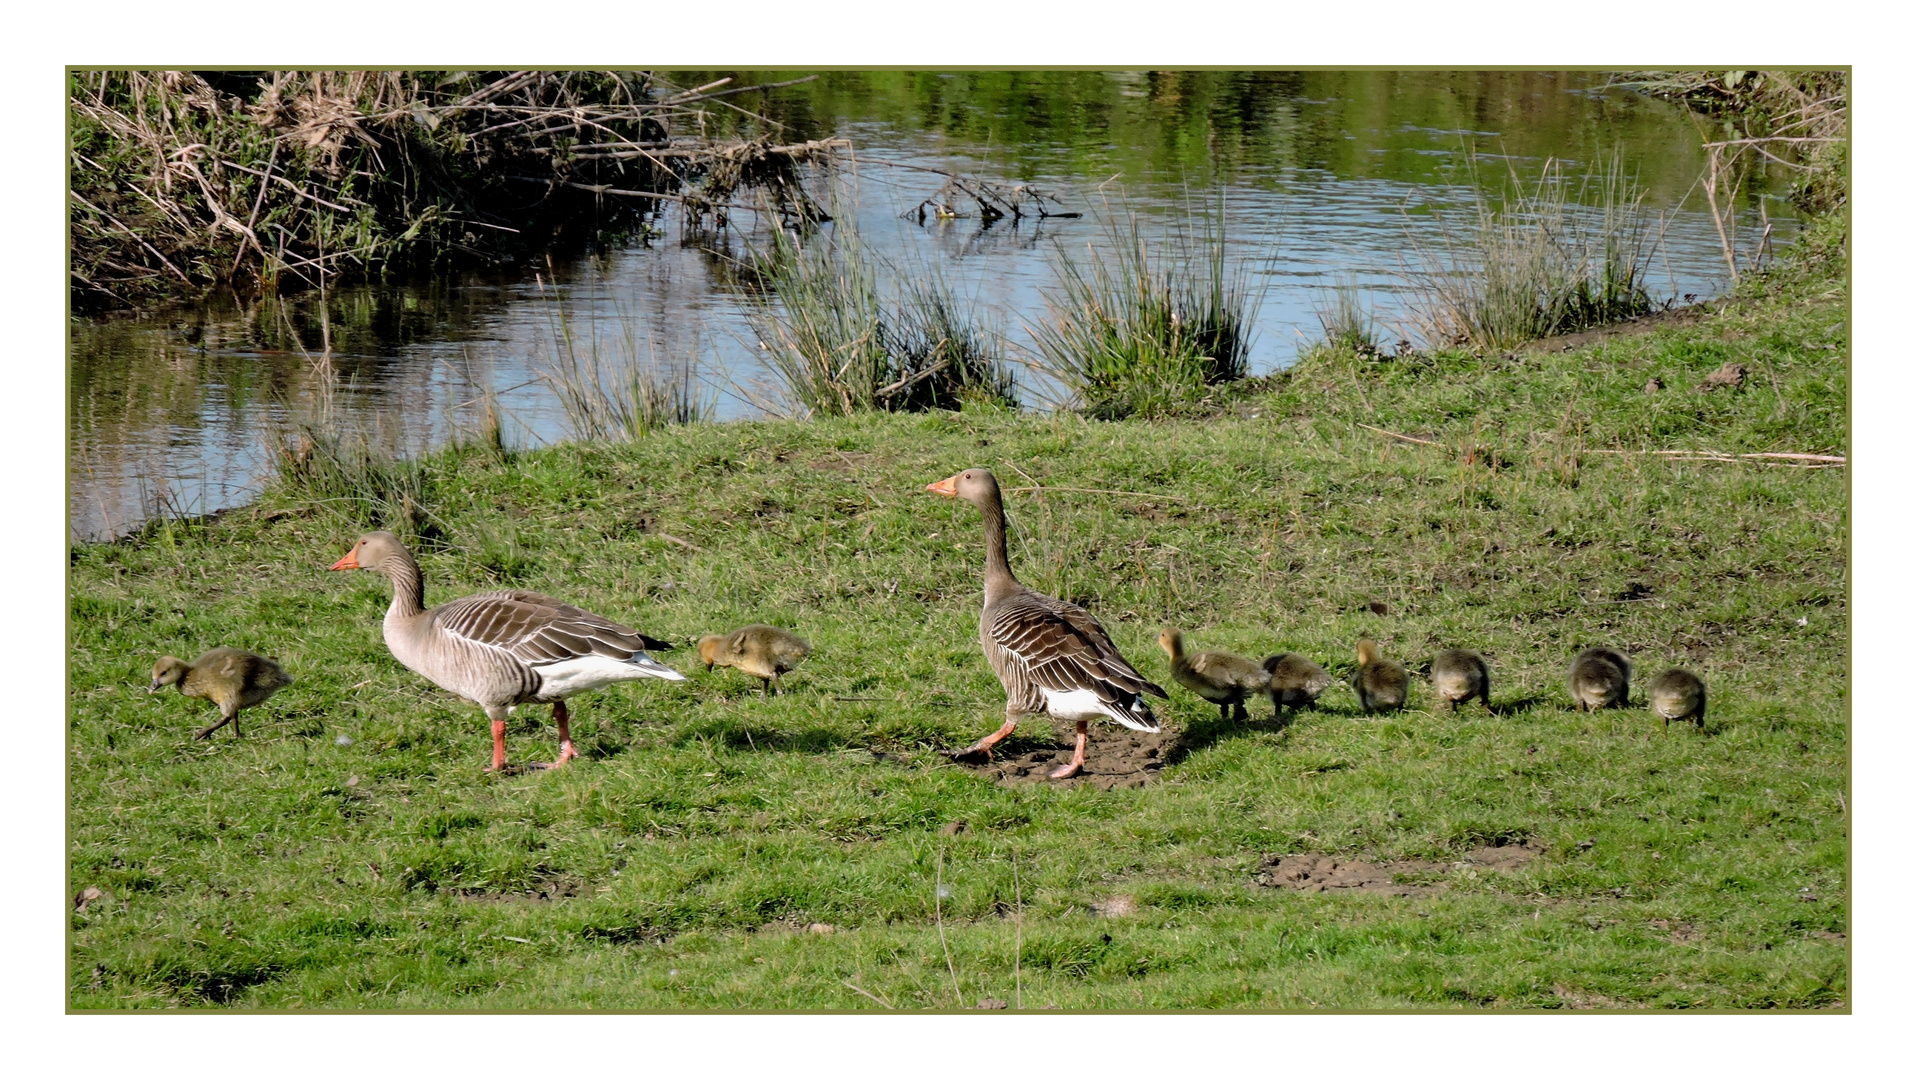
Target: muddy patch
1574	998
1682	933
1401	877
1114	758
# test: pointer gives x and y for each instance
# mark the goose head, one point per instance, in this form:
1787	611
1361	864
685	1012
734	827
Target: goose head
374	551
976	486
167	670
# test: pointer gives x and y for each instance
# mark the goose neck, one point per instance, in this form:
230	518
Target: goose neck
409	587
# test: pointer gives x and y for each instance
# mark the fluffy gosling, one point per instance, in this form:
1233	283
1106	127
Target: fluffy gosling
1677	695
1220	678
1458	675
765	652
1294	681
1600	679
229	678
1382	685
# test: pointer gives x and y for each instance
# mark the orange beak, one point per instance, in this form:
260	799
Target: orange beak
346	562
947	487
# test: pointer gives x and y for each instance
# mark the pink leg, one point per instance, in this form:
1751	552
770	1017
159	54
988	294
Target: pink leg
1071	767
564	720
499	743
983	747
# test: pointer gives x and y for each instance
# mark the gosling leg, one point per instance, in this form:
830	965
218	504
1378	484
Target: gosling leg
225	718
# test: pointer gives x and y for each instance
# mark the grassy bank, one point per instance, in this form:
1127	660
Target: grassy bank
348	852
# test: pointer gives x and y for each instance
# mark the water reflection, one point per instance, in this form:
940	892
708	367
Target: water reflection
1327	178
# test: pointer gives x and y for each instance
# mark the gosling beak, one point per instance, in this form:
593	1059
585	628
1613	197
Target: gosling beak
153	687
346	562
947	487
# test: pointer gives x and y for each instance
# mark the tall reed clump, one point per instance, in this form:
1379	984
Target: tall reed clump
1144	332
1348	325
607	392
341	473
838	346
1535	263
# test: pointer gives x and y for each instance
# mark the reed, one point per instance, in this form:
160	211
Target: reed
838	345
610	394
1535	263
1348	325
1144	329
341	472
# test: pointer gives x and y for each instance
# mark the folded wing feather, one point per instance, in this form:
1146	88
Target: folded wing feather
539	629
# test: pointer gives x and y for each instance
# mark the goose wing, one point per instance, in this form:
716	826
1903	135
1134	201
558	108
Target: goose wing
538	629
1061	647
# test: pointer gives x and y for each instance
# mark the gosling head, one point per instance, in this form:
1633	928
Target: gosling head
167	671
711	648
976	486
1367	652
1172	642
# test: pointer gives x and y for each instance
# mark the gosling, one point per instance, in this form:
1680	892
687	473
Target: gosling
1600	679
229	678
1458	675
765	652
1220	678
1677	695
1382	685
1294	681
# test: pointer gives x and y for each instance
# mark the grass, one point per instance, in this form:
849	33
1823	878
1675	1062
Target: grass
349	853
1537	263
1144	333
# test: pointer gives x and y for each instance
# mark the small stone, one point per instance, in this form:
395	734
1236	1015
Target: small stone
953	828
821	928
343	740
991	1003
87	896
1378	608
1654	385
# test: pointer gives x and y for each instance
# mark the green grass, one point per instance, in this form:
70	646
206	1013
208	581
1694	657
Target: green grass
673	867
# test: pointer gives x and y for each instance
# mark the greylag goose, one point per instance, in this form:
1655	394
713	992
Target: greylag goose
1458	675
1220	678
1294	681
1382	685
1052	656
1677	695
229	678
499	649
766	652
1600	678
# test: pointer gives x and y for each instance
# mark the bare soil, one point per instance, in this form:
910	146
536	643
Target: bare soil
1115	757
1643	324
1313	872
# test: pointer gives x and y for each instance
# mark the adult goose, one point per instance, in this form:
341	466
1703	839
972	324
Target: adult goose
1052	656
499	649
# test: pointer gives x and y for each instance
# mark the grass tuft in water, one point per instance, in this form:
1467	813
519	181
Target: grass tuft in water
608	393
838	347
1538	263
1347	323
1144	332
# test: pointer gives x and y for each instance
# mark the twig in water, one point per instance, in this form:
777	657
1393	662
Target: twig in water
880	1000
938	913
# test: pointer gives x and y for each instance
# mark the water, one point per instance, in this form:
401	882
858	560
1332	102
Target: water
1327	178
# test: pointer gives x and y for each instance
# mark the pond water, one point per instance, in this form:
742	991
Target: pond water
1326	179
